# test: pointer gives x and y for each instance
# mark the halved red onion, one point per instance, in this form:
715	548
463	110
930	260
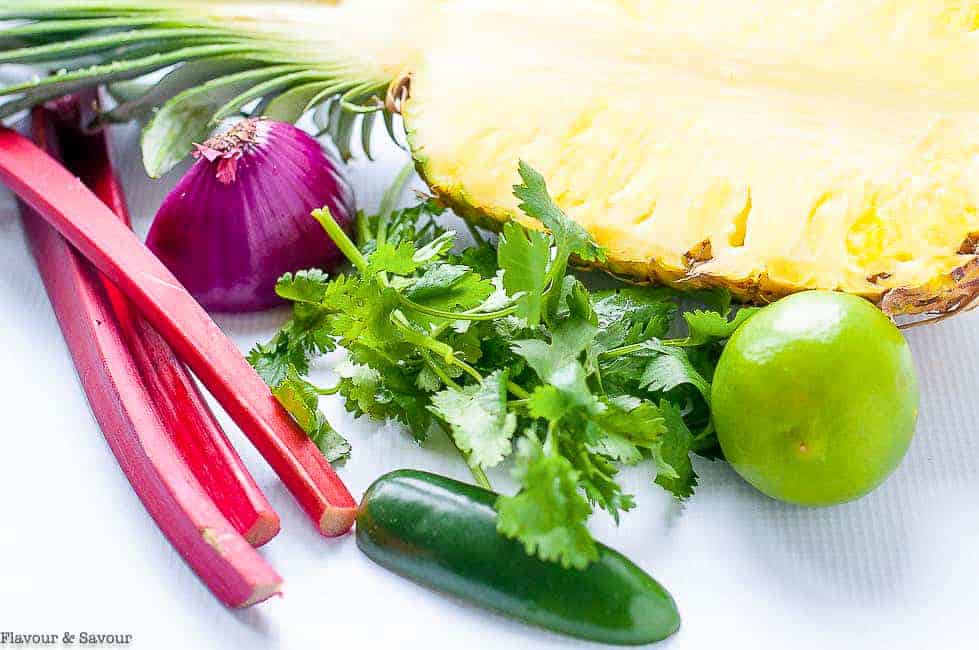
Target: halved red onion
240	217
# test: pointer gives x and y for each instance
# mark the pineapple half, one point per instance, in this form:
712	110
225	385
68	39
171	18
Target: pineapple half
767	146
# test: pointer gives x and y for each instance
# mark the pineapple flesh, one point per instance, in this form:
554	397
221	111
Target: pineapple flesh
768	146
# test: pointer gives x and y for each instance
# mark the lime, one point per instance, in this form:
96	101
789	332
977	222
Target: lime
815	398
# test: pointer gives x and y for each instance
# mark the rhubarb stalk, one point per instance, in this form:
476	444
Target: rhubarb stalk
195	432
94	230
223	559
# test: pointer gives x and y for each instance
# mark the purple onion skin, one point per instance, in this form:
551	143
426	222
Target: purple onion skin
229	237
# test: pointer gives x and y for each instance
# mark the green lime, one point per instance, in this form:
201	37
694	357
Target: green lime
815	398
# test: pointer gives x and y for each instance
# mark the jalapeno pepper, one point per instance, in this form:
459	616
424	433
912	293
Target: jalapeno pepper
442	533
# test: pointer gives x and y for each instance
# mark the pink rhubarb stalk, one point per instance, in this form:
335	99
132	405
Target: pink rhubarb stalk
195	432
224	560
94	230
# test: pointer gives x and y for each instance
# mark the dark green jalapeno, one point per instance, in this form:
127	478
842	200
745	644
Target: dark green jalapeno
442	533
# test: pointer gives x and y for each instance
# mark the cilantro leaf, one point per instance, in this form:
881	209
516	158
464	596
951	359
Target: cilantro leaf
675	452
717	299
361	388
448	287
436	280
331	444
569	236
523	255
629	424
557	365
308	332
427	381
671	368
399	260
596	476
404	224
273	360
497	300
481	259
566	391
435	249
652	308
372	386
547	402
361	315
301	399
548	515
577	299
292	346
568	341
709	326
307	286
478	419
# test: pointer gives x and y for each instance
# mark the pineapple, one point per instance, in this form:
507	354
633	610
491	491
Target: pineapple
768	146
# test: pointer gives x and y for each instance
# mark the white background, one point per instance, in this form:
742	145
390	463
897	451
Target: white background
898	569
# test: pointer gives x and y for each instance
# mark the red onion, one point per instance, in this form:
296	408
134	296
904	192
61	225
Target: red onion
240	217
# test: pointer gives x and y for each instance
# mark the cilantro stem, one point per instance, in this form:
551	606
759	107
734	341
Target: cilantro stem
363	230
680	343
479	475
517	390
388	200
424	341
335	232
598	379
469	370
440	330
551	282
448	381
477	472
328	391
623	351
550	442
454	316
626	350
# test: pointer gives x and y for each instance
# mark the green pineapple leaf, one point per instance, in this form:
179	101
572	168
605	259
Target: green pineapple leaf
186	118
65	83
66	51
140	104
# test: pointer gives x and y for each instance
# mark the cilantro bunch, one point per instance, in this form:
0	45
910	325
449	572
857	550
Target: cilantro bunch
512	356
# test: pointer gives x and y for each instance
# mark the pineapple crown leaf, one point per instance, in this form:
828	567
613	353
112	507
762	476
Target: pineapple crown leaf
201	73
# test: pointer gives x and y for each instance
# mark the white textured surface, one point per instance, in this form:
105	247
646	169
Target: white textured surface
896	570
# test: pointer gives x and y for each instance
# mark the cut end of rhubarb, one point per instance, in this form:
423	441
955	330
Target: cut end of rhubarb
262	593
337	521
263	530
